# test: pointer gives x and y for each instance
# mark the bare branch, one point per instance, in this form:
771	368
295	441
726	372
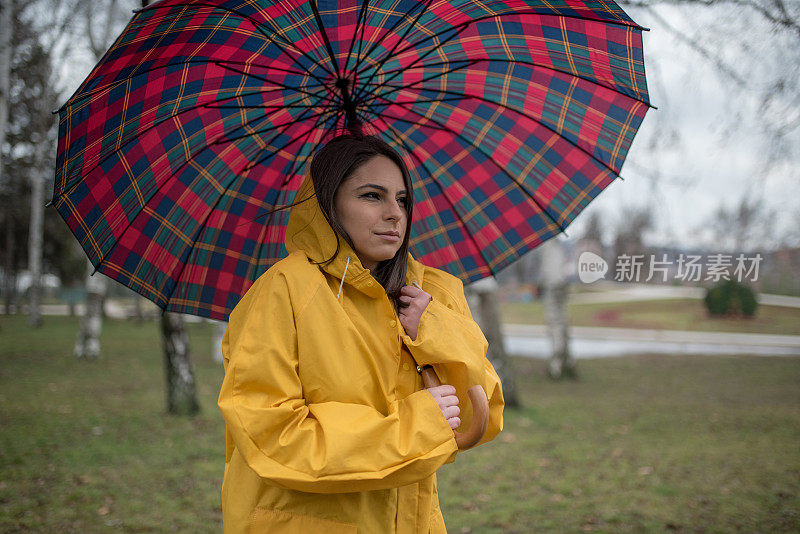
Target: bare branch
718	62
781	18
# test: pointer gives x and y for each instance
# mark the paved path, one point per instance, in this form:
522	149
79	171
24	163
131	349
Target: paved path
593	342
627	293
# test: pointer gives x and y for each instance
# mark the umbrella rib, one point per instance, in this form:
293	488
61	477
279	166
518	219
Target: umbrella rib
321	28
392	29
488	157
219	62
201	226
208	105
268	128
264	79
430	175
420	58
388	55
362	12
259	27
471	62
68	188
262	242
463	26
318	116
504	106
175	173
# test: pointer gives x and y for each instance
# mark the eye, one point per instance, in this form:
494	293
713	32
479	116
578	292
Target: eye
403	201
371	194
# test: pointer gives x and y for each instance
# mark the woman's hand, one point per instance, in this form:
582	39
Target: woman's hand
445	397
413	302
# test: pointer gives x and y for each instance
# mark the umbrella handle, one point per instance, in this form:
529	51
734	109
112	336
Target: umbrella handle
480	411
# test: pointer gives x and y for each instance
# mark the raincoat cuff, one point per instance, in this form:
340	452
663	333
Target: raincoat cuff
434	413
446	337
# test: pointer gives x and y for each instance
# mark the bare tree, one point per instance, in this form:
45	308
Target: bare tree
50	20
745	226
6	30
181	391
751	47
482	296
216	340
99	34
556	291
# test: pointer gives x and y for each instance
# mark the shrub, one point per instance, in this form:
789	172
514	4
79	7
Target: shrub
730	297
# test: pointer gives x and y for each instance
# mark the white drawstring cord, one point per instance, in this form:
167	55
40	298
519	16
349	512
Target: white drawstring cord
345	274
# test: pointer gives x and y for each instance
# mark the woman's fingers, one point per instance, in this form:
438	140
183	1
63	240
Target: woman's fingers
454	422
411	291
443	390
451	411
445	396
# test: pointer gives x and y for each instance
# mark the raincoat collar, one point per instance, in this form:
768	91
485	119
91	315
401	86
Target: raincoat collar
309	231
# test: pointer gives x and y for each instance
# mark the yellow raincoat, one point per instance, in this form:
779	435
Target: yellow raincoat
329	427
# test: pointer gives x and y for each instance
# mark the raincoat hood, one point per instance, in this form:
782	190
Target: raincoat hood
309	231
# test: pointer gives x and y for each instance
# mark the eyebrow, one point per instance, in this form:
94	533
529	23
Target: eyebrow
380	188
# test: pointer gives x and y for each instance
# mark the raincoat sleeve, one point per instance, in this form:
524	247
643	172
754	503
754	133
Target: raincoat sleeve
452	342
327	447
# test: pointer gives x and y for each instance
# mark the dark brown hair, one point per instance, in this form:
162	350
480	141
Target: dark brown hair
336	162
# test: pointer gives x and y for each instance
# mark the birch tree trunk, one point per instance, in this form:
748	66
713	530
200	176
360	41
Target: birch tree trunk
181	391
36	230
483	297
219	331
6	29
556	290
9	275
88	343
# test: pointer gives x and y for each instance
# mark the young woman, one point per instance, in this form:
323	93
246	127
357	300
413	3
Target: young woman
329	428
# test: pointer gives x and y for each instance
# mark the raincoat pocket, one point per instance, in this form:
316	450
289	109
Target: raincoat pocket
268	521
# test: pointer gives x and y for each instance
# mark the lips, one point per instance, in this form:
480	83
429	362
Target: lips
393	236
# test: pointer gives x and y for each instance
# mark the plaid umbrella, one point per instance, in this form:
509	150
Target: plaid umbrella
512	116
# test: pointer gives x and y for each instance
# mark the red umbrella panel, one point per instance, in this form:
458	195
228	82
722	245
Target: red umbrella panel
203	115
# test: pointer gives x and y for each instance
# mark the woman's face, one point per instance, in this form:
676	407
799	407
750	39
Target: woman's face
371	205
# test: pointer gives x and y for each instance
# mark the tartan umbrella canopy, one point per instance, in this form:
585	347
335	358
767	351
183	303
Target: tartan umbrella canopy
202	116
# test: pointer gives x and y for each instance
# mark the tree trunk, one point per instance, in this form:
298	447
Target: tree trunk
488	317
88	344
219	331
181	391
556	289
137	309
6	28
9	275
36	230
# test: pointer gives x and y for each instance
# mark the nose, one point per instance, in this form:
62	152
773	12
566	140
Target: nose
394	211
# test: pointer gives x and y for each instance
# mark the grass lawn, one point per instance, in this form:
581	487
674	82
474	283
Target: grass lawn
637	444
665	314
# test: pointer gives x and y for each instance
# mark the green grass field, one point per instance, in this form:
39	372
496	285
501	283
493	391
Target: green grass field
667	314
645	443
